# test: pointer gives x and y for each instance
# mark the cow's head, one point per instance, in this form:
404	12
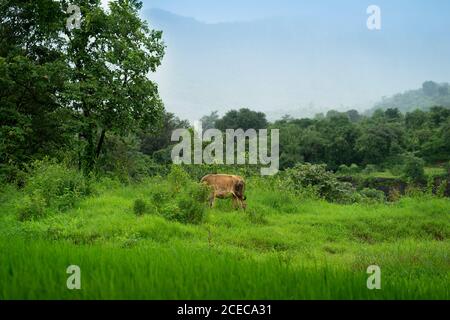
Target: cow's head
239	192
239	189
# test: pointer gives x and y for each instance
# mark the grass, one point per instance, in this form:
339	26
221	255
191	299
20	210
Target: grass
387	174
283	247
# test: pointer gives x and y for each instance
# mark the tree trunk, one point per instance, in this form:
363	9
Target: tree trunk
100	143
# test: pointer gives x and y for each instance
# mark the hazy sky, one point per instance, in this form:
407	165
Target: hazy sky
293	56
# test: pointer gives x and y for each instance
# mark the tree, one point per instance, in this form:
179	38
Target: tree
156	138
242	119
414	168
393	114
430	88
380	141
110	57
353	115
209	121
33	122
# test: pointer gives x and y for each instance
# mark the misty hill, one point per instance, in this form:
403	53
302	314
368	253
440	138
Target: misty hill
292	65
431	94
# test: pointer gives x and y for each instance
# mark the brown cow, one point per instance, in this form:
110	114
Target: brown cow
225	185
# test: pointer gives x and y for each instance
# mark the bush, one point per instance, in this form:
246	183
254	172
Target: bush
139	207
373	195
322	181
343	170
447	168
354	169
397	170
413	169
181	199
192	211
58	185
440	192
170	211
369	169
178	178
394	195
31	209
160	196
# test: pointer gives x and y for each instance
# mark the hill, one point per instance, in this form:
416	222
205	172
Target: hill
431	94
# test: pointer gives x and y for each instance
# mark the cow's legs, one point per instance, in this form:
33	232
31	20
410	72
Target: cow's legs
235	204
212	197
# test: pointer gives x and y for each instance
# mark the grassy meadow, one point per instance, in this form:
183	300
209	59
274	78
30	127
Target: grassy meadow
283	246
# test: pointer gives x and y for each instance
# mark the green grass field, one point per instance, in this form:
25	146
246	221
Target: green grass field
282	247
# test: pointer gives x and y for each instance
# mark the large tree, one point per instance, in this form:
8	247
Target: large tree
110	57
33	122
242	119
91	80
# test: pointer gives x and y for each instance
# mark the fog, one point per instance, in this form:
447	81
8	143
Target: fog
298	64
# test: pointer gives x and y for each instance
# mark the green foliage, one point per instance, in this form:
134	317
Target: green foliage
441	189
32	208
242	119
192	211
178	178
354	169
298	250
394	195
139	207
181	199
431	94
57	185
257	218
156	140
324	182
414	169
447	168
369	169
373	195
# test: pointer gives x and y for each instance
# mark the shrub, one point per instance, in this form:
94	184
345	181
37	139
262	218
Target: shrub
414	191
440	192
397	169
191	211
181	199
139	207
178	178
373	195
369	169
354	169
343	169
447	168
170	211
58	185
413	169
430	185
394	195
32	208
322	181
160	197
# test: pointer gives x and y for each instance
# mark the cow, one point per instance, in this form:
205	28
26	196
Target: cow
225	185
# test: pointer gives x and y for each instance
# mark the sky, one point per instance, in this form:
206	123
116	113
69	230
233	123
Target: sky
293	56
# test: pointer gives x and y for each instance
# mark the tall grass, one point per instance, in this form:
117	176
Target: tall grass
285	246
38	271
